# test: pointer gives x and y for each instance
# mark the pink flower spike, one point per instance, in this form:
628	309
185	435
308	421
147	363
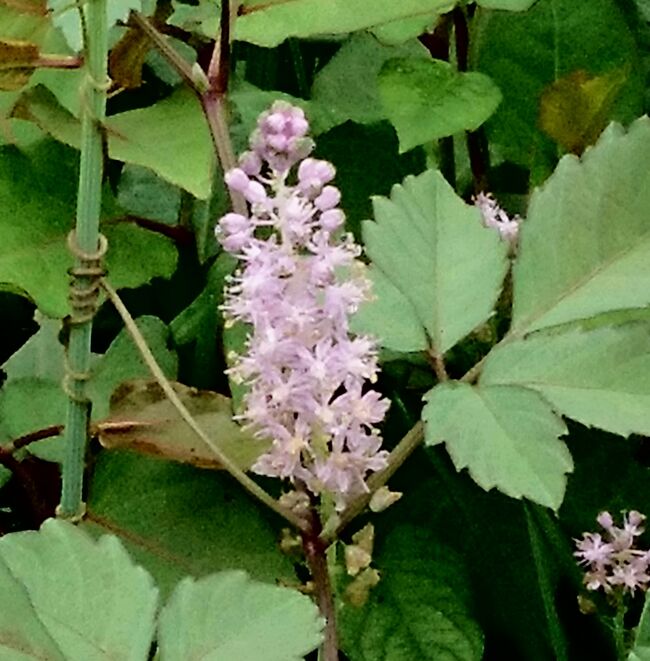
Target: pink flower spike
298	282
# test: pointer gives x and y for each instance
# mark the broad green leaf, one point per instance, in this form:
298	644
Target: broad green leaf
405	29
428	99
599	377
19	415
510	5
92	600
171	137
144	420
419	608
66	16
506	436
40	357
526	52
201	19
641	649
228	616
269	24
347	86
434	250
37	195
23	637
389	316
585	244
178	520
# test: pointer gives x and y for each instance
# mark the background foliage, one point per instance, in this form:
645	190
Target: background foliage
420	104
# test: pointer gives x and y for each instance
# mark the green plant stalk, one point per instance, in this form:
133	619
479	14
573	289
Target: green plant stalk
87	233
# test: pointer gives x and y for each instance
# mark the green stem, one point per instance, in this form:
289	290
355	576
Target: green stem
87	236
250	485
619	630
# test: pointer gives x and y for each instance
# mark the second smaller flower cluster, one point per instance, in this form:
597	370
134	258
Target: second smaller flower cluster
611	559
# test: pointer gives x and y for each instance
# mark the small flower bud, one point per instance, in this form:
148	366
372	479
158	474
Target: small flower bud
250	163
331	220
237	180
330	196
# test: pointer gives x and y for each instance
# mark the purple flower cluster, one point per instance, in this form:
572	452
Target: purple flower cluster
612	560
298	283
496	218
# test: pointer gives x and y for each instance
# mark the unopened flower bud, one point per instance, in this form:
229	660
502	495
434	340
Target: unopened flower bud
237	180
330	196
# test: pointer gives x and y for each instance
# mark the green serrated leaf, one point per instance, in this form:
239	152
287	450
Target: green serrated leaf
270	23
228	616
23	637
196	521
524	52
428	99
389	316
90	597
347	86
434	250
419	608
599	377
506	436
585	245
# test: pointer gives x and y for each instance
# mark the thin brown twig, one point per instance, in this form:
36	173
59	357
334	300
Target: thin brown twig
181	65
437	361
58	61
32	437
210	90
213	100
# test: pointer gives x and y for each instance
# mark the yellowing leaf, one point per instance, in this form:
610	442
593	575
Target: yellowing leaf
574	110
143	419
17	61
